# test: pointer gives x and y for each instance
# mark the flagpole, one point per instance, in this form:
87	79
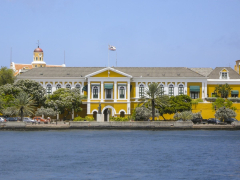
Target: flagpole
108	56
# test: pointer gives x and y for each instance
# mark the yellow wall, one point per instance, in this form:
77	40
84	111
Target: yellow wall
133	90
105	74
211	87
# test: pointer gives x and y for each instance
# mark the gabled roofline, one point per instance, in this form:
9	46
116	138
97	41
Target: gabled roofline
108	68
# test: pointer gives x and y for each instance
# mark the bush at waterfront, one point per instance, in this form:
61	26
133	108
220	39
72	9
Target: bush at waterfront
86	118
118	119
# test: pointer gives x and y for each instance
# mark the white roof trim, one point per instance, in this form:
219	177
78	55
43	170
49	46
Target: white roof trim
106	69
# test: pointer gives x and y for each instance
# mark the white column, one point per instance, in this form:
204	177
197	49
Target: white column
166	88
128	90
175	89
185	88
82	85
102	91
137	90
205	89
88	107
89	90
115	91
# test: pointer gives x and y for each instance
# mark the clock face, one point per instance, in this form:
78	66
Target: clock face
40	54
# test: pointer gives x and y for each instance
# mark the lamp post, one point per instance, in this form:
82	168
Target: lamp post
215	107
56	109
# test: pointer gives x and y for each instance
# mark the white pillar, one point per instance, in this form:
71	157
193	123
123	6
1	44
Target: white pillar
82	85
166	88
102	91
115	91
128	91
175	89
88	91
205	89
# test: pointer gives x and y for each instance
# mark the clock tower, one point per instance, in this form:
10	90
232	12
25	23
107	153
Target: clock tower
38	60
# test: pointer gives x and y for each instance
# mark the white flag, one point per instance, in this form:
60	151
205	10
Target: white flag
111	48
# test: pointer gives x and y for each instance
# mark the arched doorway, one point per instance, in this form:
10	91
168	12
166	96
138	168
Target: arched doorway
122	114
95	115
105	112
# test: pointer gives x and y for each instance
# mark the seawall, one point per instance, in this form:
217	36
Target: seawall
157	125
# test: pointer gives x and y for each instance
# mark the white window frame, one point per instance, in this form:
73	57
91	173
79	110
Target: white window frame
78	88
111	94
162	88
182	86
67	86
172	87
57	86
48	85
141	86
124	92
98	88
226	76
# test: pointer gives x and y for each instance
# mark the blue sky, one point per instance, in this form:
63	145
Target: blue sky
146	33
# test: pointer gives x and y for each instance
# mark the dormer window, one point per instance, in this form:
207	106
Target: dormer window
224	74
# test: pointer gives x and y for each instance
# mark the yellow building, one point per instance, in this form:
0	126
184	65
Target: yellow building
119	89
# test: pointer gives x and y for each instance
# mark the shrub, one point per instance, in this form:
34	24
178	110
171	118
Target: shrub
211	99
142	113
87	118
197	115
118	119
233	99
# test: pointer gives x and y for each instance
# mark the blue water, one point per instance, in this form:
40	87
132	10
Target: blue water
119	154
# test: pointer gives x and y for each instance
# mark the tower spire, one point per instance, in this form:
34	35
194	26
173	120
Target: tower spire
38	43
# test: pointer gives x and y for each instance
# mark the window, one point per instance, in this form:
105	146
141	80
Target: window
170	90
58	86
49	89
180	89
35	65
108	93
40	65
95	92
224	75
122	92
194	95
78	87
68	86
36	58
40	58
161	90
141	90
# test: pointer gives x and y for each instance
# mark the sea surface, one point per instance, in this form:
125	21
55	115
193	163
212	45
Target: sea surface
120	154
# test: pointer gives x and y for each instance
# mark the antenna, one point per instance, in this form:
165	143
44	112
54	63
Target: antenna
116	58
64	56
38	43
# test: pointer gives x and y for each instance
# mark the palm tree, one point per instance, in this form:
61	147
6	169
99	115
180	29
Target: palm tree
223	89
23	105
153	96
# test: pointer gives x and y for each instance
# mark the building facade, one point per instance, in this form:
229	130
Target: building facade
119	89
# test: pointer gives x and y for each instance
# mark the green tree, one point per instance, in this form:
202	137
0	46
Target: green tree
224	113
34	89
23	105
153	91
45	111
178	103
6	76
221	102
162	103
65	100
223	90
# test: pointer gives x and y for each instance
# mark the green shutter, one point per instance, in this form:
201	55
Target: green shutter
85	88
234	92
130	88
194	88
108	86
